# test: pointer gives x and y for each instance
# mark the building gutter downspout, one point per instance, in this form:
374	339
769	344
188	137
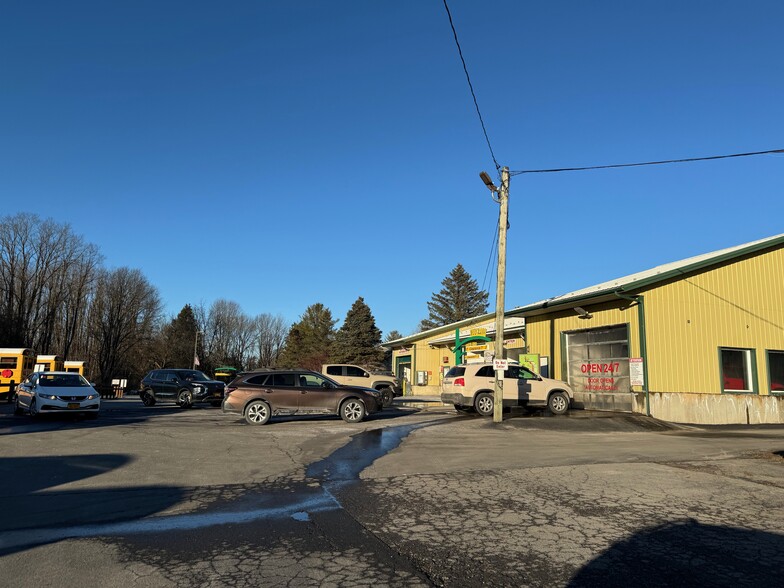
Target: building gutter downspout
640	300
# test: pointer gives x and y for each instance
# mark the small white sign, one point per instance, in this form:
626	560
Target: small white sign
636	372
500	364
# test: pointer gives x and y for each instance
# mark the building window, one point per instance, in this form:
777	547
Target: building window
776	371
737	373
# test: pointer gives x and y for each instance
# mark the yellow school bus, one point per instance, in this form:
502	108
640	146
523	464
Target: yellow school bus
78	367
15	365
48	363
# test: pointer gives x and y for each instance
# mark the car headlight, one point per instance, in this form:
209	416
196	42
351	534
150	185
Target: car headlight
92	396
48	396
198	388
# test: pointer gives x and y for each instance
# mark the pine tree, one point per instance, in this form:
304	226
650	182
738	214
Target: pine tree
177	340
309	341
358	340
460	298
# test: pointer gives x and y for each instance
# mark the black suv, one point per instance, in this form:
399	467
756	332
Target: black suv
185	387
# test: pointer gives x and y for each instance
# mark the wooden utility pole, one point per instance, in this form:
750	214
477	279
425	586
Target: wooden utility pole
503	194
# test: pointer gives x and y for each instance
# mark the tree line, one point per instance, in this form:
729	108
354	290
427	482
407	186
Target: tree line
56	297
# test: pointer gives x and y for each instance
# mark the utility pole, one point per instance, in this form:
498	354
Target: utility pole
498	404
503	221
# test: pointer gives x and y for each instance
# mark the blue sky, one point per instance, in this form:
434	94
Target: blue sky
280	154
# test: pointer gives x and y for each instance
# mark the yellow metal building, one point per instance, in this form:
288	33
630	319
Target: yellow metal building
699	340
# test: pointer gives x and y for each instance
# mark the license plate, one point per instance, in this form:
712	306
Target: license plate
74	405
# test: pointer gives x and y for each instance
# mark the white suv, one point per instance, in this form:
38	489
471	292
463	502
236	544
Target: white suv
471	386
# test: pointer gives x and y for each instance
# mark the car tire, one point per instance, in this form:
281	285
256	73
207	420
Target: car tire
18	410
558	403
33	409
352	410
147	398
184	399
484	404
258	412
386	396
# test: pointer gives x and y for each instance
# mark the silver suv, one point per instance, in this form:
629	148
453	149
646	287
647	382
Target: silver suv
470	387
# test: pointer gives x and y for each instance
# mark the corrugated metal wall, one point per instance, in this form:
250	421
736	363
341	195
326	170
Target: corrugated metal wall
740	304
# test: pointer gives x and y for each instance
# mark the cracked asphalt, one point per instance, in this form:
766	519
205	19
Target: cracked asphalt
165	497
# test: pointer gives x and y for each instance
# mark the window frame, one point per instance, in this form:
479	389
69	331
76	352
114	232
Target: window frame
768	352
751	364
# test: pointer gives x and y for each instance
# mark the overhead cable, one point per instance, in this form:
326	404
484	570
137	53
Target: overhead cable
471	86
666	161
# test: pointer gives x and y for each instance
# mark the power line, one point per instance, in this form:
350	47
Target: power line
471	86
666	161
492	255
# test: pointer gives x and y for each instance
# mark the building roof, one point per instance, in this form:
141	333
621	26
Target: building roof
446	328
606	290
660	273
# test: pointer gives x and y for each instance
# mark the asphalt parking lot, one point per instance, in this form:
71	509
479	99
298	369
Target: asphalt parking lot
167	497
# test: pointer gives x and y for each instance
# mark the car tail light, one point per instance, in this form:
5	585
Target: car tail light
229	390
459	382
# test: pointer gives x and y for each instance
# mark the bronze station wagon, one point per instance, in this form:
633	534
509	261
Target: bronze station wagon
259	395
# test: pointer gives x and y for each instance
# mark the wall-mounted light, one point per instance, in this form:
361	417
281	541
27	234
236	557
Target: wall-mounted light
582	313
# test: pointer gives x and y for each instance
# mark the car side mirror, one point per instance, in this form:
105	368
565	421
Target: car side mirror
325	384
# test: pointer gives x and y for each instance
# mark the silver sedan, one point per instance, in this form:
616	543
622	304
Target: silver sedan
57	392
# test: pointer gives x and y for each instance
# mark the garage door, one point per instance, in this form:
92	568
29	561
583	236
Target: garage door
598	359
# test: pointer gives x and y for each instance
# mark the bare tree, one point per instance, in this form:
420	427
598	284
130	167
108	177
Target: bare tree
125	315
45	272
272	335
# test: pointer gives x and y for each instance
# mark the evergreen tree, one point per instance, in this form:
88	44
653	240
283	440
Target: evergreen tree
178	339
310	339
460	298
393	335
358	340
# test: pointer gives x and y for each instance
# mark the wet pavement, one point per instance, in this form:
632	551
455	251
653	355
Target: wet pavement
411	498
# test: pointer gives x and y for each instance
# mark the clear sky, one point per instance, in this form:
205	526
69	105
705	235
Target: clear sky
280	154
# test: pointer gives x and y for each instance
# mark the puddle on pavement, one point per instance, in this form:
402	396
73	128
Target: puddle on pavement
341	467
346	463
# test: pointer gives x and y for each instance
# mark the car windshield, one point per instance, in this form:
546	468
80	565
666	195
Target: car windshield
328	379
62	381
192	375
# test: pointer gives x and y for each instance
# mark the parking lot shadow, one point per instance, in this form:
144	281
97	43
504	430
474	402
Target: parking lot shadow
112	413
688	553
33	503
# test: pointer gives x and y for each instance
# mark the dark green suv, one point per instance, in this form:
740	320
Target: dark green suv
185	387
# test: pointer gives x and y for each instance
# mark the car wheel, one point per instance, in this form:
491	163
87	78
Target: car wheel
558	403
148	399
352	410
484	404
184	399
386	396
258	412
18	411
464	409
33	408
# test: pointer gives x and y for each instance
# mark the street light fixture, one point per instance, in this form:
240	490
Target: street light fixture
488	182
